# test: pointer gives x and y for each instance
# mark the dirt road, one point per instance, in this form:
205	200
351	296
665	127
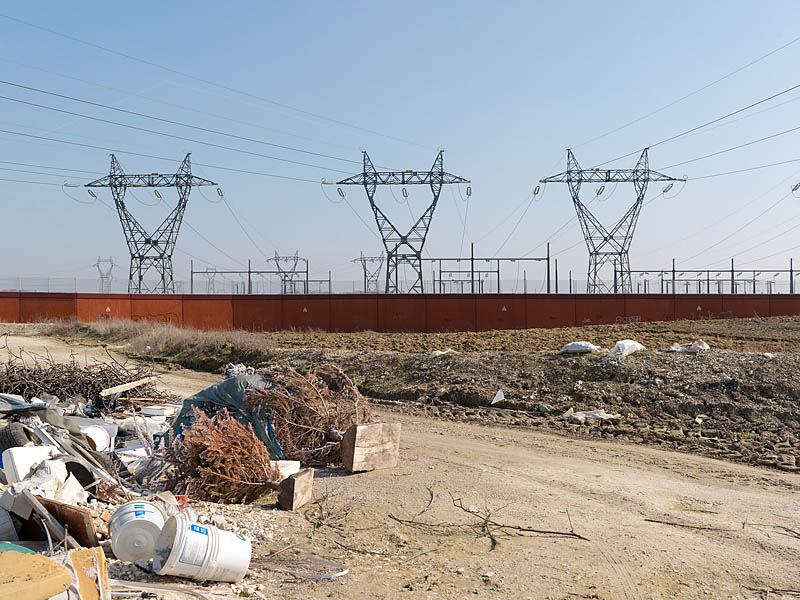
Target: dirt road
608	488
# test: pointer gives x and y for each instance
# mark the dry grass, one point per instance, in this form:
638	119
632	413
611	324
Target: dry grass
191	348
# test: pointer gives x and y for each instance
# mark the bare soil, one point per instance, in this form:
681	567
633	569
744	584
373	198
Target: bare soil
725	526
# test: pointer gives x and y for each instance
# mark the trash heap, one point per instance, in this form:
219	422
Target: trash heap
110	473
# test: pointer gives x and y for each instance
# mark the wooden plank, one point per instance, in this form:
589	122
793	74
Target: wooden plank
91	572
78	521
368	447
55	528
296	490
118	389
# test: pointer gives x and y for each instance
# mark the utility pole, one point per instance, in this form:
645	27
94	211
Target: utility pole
606	245
403	249
150	252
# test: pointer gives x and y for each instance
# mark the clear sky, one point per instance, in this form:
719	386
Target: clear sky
503	87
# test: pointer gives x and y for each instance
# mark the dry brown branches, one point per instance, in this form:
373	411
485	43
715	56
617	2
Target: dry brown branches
486	525
29	375
309	412
220	460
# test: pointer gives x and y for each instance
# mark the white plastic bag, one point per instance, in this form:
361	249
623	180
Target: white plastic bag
578	348
625	347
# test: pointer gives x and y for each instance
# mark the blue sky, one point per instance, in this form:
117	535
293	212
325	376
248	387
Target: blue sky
503	87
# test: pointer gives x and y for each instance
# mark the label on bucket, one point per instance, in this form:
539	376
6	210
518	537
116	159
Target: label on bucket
194	548
138	513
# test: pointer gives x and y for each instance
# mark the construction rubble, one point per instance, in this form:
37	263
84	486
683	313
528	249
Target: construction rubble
100	470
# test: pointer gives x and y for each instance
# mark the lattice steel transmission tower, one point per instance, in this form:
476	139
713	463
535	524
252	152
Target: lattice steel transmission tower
372	266
210	275
403	249
150	252
608	246
291	274
105	266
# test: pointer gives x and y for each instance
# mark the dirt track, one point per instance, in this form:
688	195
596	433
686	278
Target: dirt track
609	489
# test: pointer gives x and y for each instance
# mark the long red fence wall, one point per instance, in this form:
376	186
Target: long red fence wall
359	312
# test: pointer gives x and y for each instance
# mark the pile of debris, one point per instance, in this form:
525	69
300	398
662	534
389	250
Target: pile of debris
104	476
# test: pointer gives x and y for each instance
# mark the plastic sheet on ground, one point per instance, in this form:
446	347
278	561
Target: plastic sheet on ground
229	394
580	417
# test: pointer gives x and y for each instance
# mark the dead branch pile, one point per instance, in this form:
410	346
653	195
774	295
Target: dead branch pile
309	413
29	375
220	460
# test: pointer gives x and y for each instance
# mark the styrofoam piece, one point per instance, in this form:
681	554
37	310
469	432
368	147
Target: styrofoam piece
164	410
134	528
20	462
200	552
288	467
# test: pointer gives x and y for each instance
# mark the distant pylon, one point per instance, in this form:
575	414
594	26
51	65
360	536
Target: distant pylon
105	266
372	266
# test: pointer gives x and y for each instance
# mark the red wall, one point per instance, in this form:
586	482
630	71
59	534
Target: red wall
93	307
208	312
257	313
46	307
154	307
359	312
9	307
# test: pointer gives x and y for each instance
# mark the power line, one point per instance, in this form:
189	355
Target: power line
745	170
169	135
732	148
706	124
751	221
179	123
140	154
19	164
690	94
206	81
172	104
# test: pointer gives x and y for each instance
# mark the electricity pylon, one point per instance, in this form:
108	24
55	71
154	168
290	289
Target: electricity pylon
105	266
150	251
608	245
290	273
371	272
403	249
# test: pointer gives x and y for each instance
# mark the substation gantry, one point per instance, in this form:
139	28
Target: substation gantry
608	246
150	252
403	249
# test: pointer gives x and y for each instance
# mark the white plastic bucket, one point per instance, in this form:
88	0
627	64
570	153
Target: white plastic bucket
200	552
134	528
